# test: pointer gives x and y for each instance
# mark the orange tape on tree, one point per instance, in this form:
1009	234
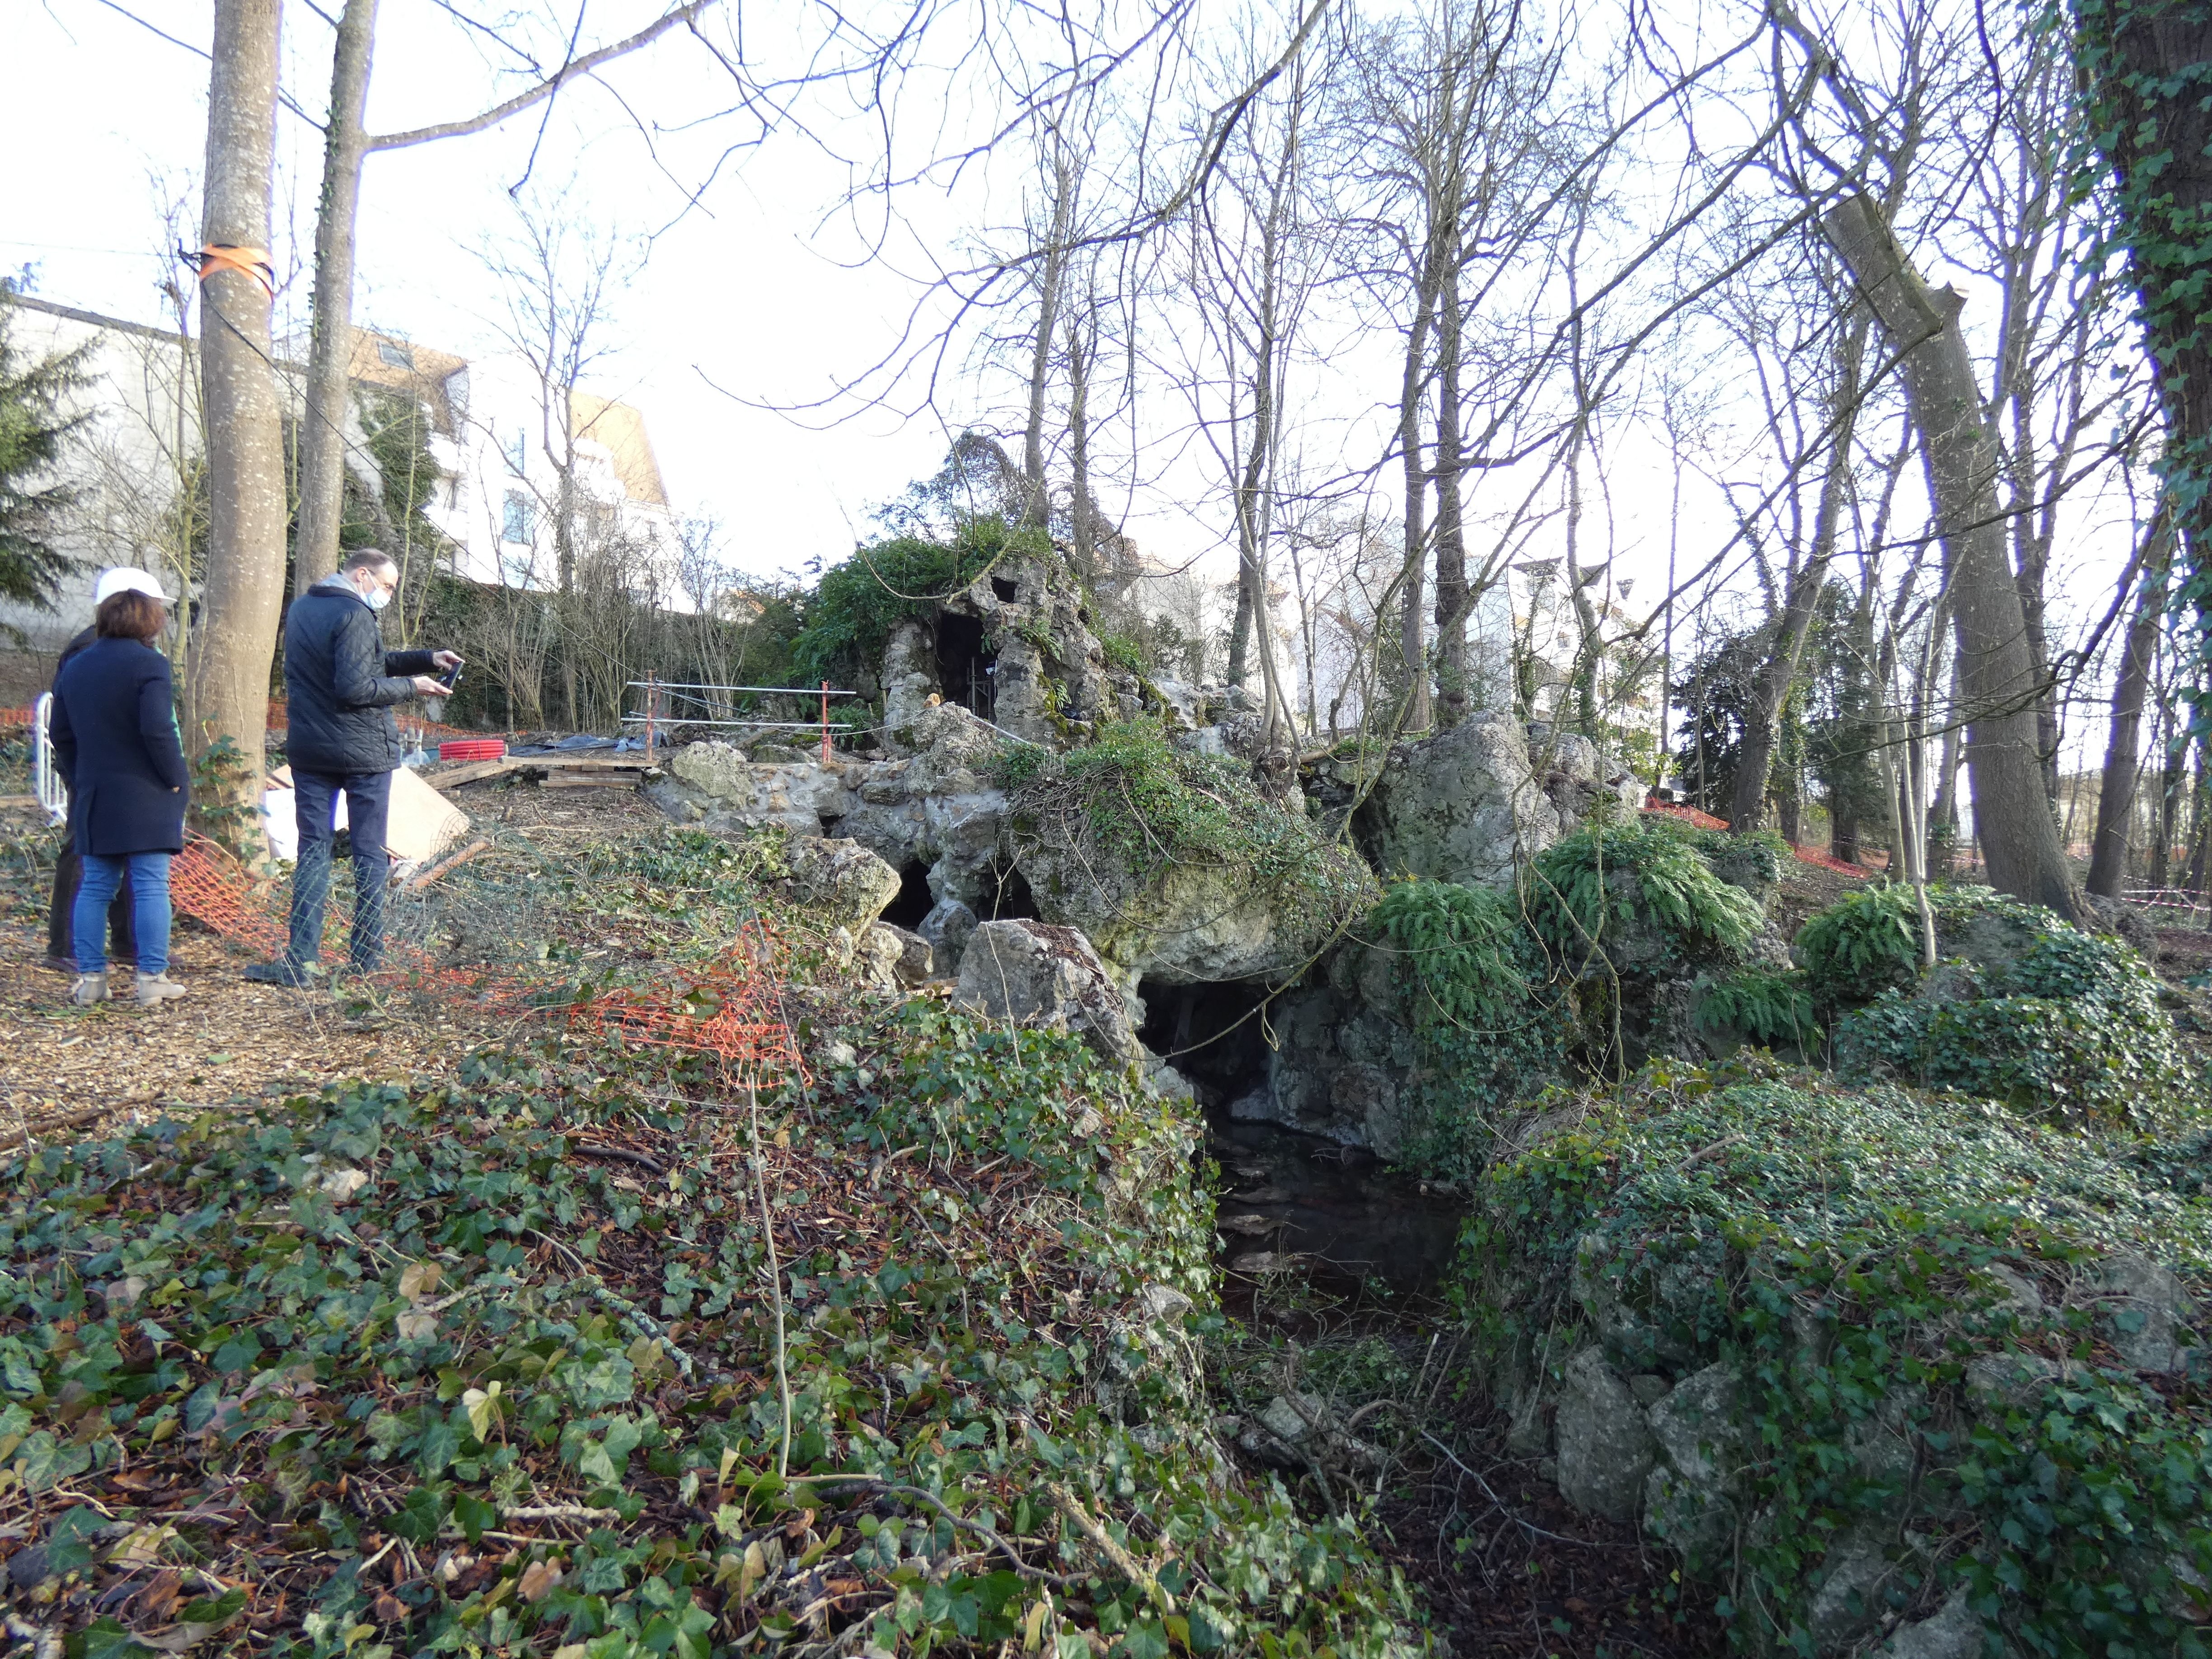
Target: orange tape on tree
246	261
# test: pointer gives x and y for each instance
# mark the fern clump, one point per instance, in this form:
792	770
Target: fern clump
1768	1009
1471	983
1861	945
1641	894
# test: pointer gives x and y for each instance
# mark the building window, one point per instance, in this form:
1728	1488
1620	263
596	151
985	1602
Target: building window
518	450
396	354
519	518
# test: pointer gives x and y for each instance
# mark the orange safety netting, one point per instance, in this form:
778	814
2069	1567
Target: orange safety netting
730	1008
1812	855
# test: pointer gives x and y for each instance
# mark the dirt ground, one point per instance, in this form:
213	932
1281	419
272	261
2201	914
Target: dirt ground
230	1041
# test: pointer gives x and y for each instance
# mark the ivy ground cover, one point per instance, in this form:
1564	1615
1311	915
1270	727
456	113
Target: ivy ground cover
495	1369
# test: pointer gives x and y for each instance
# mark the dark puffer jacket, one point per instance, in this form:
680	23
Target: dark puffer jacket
114	729
341	683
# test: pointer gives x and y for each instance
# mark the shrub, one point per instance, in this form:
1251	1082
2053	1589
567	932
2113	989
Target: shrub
1642	893
1831	1249
850	616
2070	1028
1491	1030
1861	945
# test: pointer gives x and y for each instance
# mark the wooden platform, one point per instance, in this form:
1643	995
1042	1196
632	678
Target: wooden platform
557	771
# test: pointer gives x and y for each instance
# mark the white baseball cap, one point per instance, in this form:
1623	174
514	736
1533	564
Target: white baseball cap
126	578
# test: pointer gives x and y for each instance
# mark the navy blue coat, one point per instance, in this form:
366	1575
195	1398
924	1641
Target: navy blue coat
341	683
114	730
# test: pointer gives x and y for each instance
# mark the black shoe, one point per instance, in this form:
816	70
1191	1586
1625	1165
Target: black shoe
284	974
54	964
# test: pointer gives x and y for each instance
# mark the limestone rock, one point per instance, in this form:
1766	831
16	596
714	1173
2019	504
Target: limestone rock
713	785
873	955
936	806
1463	805
1847	1602
1028	973
1285	1437
908	678
946	930
916	959
1996	1380
841	883
2145	1314
1954	1632
1690	1498
1605	1448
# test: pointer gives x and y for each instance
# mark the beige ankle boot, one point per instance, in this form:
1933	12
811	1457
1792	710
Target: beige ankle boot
155	989
88	990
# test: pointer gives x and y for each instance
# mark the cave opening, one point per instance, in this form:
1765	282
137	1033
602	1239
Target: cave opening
915	900
966	669
1210	1033
1004	588
1006	896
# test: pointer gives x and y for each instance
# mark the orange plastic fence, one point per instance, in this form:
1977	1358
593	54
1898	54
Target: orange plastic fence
730	1009
1812	855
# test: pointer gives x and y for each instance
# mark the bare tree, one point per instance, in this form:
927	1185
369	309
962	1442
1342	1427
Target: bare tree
243	591
346	147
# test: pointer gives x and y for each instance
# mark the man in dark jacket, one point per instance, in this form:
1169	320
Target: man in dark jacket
69	867
341	685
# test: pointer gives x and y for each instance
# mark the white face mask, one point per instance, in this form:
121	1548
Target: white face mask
377	598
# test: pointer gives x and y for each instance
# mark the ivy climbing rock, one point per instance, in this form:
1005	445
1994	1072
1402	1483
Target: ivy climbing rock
1902	1358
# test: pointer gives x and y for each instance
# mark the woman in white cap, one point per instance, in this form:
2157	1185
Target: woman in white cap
115	736
69	868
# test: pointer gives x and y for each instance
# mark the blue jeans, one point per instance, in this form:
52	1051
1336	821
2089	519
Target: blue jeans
368	800
150	908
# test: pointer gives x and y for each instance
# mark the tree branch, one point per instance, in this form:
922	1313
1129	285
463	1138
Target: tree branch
569	71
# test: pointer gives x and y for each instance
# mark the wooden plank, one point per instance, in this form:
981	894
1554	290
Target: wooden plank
593	780
471	772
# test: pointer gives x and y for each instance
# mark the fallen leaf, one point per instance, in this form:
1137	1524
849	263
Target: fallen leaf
538	1579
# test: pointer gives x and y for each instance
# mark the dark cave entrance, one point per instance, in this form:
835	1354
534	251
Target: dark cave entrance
915	900
1006	896
965	668
1210	1033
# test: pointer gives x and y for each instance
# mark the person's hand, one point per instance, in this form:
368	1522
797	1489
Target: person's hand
427	687
448	661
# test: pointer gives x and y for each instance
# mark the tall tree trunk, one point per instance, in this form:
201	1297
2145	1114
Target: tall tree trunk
1036	511
2011	813
2116	796
1412	619
322	441
1082	529
1943	816
1451	529
243	594
1771	689
2143	61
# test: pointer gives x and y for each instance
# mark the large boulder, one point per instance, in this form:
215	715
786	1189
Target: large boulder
841	884
1028	973
1606	1447
1464	805
713	785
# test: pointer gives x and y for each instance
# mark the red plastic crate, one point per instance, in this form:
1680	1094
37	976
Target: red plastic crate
473	749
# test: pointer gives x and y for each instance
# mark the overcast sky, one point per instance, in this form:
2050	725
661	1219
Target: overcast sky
761	288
